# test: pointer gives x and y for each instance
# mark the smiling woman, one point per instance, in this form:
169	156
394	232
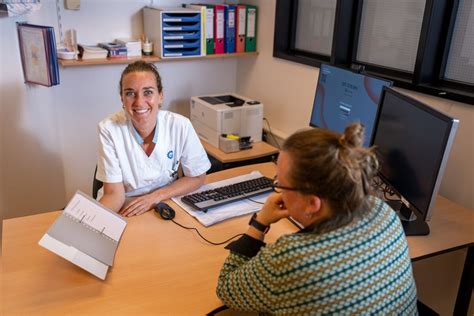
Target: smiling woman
141	147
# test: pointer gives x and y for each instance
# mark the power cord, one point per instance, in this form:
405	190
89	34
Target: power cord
197	231
214	243
271	133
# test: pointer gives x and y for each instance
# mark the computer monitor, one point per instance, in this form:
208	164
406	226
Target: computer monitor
344	96
413	142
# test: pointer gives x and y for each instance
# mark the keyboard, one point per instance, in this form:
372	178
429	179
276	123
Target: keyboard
204	200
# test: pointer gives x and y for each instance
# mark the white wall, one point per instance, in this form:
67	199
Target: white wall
287	90
48	135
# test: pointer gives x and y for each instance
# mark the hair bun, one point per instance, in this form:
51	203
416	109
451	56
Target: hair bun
353	135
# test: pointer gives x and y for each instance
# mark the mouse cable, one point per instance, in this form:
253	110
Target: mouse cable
251	200
213	243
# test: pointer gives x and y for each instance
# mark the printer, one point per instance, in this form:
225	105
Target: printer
217	114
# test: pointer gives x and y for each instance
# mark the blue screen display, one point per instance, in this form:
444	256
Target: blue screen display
343	97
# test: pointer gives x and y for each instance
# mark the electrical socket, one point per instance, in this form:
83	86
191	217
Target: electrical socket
72	4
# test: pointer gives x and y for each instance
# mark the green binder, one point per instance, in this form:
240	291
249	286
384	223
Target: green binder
251	29
209	29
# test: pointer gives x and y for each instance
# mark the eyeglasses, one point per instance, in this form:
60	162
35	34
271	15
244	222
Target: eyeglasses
279	189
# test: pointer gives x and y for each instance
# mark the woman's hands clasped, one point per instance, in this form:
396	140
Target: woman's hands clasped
273	210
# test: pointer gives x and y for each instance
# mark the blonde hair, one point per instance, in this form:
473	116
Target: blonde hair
334	167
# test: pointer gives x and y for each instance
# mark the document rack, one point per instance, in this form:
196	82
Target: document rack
175	32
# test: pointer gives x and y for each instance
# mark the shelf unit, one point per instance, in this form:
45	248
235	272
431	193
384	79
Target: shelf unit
153	59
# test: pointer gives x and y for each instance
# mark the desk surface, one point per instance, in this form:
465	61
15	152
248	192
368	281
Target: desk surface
159	267
258	150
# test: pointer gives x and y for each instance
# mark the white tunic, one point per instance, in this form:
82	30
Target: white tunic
121	159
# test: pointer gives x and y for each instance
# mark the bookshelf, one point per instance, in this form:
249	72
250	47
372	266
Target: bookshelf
153	59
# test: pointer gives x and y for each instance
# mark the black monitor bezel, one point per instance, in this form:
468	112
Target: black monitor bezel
357	72
449	134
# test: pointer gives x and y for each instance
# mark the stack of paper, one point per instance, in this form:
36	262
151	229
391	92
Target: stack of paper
221	213
92	52
134	47
116	50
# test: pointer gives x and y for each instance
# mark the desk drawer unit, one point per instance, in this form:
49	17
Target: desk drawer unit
175	32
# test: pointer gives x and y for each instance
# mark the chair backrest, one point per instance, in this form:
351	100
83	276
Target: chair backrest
96	185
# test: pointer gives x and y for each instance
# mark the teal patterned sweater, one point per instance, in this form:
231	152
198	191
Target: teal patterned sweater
361	268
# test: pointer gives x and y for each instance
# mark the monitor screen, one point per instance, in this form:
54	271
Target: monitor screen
343	96
412	142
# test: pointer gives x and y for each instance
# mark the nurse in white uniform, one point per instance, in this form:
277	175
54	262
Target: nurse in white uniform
141	147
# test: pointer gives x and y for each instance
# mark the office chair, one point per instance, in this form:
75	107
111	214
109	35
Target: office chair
96	185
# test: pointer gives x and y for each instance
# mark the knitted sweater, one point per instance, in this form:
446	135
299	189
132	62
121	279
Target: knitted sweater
360	268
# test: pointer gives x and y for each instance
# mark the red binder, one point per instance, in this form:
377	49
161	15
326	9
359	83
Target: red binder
240	23
219	35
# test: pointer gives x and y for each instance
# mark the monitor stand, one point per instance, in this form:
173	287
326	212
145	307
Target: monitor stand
412	224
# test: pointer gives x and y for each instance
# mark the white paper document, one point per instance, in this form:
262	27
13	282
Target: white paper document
87	234
93	214
221	213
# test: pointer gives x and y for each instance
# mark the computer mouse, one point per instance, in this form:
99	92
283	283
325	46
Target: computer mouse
166	212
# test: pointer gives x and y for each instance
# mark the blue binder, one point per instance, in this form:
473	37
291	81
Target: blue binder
229	28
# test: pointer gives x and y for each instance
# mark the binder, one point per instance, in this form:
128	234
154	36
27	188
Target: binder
87	234
207	18
219	35
53	57
38	54
251	31
229	18
240	27
209	30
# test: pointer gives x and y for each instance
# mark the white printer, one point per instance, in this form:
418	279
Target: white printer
218	114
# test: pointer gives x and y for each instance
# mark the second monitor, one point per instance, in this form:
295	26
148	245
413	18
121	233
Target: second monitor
345	96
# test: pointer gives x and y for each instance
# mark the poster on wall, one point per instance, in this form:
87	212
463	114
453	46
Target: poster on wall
19	7
38	54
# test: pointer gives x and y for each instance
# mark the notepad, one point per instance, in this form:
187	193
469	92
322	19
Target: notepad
87	234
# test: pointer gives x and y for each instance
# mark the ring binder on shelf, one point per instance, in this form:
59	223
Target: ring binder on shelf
251	30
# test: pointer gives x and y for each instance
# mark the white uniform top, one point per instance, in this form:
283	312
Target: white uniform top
121	159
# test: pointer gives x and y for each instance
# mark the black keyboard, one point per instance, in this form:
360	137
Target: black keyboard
204	200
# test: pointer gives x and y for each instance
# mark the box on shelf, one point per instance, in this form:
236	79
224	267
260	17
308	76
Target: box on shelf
134	47
175	32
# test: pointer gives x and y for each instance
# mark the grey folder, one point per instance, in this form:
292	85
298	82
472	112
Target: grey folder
88	240
79	234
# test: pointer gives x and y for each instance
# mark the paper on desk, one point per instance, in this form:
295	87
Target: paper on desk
221	213
94	215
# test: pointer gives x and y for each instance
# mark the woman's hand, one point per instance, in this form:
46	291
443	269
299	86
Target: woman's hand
273	210
139	205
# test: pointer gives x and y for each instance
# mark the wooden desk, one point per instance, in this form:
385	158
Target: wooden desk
260	152
161	268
